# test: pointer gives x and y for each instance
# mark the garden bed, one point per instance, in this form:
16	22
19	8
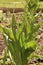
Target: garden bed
23	40
39	40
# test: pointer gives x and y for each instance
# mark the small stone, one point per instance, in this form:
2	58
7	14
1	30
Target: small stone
38	37
41	29
41	35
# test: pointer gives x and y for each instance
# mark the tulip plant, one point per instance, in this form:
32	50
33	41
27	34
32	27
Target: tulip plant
20	40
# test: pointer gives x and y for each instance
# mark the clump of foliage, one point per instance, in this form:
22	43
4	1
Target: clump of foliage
20	40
